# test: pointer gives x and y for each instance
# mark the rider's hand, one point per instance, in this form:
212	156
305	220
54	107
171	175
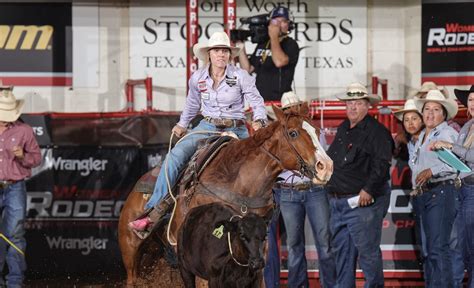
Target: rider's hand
178	131
257	124
365	198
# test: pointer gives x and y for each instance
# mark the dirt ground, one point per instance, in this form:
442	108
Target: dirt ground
163	277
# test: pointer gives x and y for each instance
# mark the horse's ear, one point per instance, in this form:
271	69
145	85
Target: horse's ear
304	110
278	113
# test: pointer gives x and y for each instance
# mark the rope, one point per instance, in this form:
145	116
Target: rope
168	180
230	245
11	244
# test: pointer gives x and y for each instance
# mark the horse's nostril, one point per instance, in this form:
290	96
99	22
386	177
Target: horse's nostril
319	165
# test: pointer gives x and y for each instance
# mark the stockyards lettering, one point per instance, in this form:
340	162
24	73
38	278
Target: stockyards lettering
333	41
36	44
448	42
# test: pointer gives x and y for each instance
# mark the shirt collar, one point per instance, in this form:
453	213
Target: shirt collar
228	71
361	125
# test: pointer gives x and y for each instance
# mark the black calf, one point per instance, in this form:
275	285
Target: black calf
204	250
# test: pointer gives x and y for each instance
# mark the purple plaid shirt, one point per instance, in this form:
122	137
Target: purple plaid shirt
227	101
18	134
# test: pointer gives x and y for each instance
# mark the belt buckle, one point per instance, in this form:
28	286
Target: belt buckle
3	185
457	183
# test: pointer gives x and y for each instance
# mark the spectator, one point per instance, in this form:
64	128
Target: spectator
435	185
19	152
464	149
362	153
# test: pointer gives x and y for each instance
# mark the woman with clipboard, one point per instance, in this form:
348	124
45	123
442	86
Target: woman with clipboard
434	179
464	149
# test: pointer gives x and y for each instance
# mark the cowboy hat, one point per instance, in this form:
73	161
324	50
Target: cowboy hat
408	107
288	100
427	86
436	96
462	95
357	91
217	40
10	108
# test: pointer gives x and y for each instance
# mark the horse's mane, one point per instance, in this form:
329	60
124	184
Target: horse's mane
231	157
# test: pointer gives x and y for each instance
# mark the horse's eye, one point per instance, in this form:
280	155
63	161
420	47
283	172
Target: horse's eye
293	134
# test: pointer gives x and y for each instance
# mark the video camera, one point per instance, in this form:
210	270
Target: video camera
258	29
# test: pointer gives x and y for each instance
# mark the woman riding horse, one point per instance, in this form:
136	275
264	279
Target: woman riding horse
219	90
240	175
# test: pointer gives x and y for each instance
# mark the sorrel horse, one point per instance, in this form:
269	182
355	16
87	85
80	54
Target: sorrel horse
248	168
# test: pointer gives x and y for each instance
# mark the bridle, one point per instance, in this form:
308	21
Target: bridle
303	167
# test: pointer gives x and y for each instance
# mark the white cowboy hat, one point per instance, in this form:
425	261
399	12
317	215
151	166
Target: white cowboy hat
10	108
217	40
289	99
427	86
408	107
437	96
357	91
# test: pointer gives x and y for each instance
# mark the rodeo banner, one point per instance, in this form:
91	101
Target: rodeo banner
448	42
89	166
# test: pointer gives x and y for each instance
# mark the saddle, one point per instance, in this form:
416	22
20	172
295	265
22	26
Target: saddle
203	156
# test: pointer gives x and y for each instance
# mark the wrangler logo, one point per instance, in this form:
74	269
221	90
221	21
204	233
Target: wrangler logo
12	36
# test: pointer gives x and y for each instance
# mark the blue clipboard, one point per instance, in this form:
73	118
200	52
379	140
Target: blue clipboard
452	160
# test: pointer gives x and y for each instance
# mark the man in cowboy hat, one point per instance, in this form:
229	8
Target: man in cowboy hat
19	152
298	197
274	60
219	91
358	189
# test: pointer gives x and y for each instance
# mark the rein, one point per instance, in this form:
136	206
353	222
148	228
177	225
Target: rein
304	168
230	246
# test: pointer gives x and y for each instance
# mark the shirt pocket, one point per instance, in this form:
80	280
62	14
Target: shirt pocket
231	95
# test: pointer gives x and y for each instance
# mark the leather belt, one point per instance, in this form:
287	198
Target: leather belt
302	186
5	183
469	180
431	185
224	122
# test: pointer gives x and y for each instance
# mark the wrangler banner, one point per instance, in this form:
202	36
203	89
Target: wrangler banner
448	42
75	197
36	44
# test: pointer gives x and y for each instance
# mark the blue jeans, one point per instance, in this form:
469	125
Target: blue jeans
421	237
295	206
357	233
180	155
271	272
467	221
457	242
438	211
13	212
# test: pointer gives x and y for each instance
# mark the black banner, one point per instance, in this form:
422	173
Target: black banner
89	167
448	42
36	43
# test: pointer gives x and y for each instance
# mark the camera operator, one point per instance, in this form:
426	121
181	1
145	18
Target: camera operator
274	60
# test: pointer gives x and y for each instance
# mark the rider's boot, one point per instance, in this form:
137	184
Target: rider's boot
144	224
